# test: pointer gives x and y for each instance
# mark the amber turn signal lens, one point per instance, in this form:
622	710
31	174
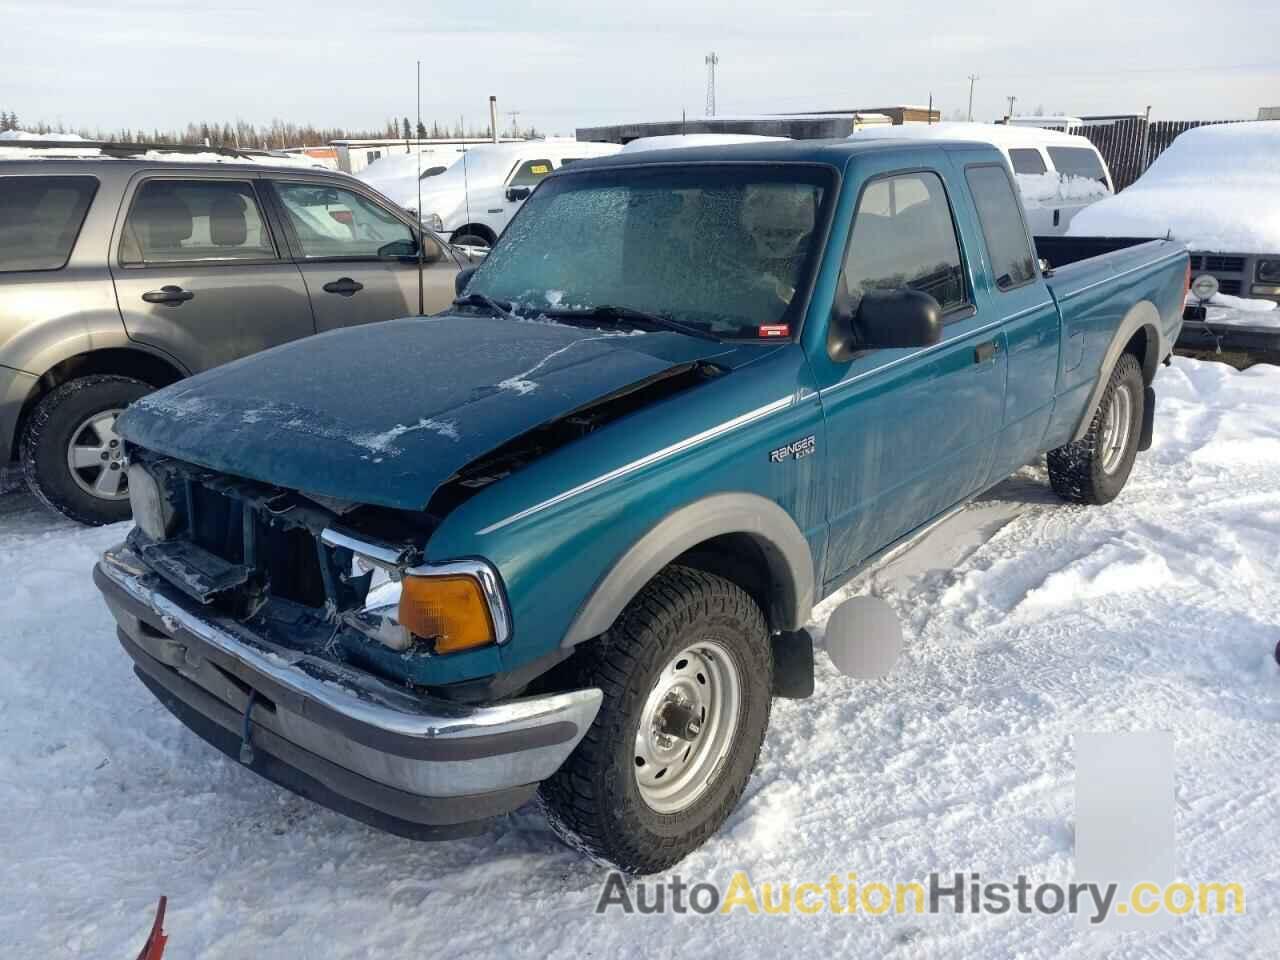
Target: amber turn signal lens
449	610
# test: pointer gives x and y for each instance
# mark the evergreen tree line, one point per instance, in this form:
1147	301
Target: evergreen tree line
273	136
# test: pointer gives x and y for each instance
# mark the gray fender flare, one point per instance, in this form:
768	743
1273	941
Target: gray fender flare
785	549
1141	316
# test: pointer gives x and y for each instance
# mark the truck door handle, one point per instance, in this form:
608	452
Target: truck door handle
168	294
344	286
984	351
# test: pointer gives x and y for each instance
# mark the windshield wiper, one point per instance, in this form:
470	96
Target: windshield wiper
609	311
484	300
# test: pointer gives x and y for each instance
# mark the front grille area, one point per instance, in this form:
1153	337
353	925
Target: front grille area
284	556
1224	264
1229	286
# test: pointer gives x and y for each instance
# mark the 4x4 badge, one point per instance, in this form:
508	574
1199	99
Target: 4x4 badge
794	451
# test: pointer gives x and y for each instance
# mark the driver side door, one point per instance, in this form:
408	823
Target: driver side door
356	256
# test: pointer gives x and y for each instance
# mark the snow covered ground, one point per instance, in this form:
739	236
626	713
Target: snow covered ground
1028	621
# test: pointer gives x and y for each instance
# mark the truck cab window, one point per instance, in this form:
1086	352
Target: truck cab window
903	236
1078	162
1002	227
1027	160
530	172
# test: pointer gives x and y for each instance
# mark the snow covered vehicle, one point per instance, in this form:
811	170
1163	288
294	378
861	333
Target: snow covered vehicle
564	538
1216	190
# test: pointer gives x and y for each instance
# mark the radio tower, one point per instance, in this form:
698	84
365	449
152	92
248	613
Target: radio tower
711	61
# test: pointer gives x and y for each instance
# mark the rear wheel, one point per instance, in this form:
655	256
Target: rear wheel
686	673
1094	469
71	456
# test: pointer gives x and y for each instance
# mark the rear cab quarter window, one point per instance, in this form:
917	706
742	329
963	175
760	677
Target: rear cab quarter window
1003	229
40	219
1027	160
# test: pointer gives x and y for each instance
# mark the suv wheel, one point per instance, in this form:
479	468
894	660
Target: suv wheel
1094	469
687	676
71	457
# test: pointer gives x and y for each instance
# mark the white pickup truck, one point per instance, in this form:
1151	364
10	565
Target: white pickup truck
474	199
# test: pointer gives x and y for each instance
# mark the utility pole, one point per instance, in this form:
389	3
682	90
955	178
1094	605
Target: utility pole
515	130
1012	101
711	60
973	78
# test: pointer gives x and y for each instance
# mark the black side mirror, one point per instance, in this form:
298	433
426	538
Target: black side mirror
518	193
461	279
885	319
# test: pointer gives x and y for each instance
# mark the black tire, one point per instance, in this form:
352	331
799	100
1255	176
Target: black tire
470	239
48	435
1077	470
594	801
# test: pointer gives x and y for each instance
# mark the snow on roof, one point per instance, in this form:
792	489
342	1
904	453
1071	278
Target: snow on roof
1216	188
27	135
693	140
998	134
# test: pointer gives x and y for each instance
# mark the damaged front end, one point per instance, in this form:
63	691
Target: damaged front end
273	625
311	572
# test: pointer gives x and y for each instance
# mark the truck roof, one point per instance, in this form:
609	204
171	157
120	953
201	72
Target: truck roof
835	153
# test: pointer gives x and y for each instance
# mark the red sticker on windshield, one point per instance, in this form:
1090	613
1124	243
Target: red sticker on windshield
778	330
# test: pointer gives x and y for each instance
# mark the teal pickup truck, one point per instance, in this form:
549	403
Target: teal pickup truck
563	539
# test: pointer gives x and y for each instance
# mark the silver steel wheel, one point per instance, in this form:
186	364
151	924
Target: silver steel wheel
1117	424
687	726
95	457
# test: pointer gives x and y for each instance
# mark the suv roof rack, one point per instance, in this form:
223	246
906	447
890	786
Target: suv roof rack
111	148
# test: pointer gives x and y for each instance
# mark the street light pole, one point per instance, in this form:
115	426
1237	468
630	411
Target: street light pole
973	78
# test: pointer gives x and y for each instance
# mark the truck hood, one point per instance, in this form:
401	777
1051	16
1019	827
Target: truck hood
383	414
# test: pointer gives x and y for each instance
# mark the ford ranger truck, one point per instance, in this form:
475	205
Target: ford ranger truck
562	539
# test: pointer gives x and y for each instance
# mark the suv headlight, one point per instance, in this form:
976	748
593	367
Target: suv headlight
433	222
1267	271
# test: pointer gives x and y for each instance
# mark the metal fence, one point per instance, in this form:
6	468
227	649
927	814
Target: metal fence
1131	144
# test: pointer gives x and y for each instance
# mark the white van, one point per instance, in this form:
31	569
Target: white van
1058	174
474	199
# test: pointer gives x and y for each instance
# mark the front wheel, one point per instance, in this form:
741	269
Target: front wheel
687	674
1095	468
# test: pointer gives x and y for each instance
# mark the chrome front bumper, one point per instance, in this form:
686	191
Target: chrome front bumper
412	759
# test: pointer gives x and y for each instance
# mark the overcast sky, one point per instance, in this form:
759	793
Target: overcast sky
148	63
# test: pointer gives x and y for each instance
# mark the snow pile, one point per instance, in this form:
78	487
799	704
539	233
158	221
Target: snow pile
1053	188
1216	189
1027	620
997	134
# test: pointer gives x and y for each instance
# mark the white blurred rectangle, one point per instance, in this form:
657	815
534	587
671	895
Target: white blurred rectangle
1124	820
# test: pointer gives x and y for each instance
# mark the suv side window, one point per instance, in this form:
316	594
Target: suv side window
1027	160
530	172
903	236
40	218
1002	226
184	221
331	222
